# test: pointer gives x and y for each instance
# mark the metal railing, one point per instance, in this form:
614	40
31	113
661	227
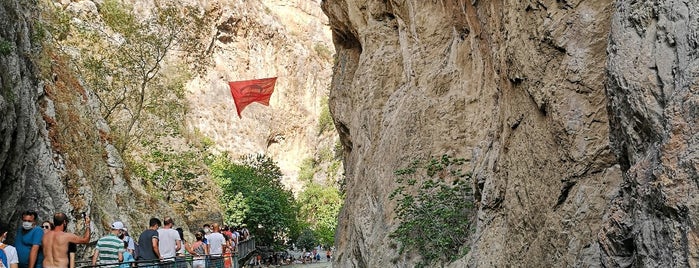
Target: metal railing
226	260
245	248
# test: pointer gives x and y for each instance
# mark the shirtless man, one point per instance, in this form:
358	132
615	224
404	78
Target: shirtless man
56	241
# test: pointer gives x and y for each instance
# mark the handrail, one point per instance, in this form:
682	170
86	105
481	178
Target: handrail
212	260
243	249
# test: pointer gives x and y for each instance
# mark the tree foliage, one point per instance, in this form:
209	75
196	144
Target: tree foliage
307	239
124	60
172	172
268	208
319	208
434	208
325	120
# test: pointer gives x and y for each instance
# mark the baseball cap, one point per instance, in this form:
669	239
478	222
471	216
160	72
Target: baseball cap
117	225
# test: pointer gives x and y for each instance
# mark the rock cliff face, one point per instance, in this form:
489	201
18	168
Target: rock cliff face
652	84
257	39
55	149
568	170
56	155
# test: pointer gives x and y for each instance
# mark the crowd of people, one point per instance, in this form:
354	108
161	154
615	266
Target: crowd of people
50	246
287	258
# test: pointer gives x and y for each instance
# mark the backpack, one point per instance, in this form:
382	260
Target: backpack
135	250
3	256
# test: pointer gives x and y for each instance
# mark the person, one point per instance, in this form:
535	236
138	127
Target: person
72	250
180	258
132	244
258	260
180	232
128	258
216	245
148	249
109	248
207	229
307	256
246	233
328	254
235	240
28	241
168	241
47	226
199	250
9	251
56	242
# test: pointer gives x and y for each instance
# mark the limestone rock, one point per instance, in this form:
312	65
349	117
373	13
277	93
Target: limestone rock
518	88
55	150
55	154
652	89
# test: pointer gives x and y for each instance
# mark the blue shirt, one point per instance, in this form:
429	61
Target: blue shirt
24	243
128	258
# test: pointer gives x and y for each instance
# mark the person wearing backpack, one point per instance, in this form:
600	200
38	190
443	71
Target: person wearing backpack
3	259
8	253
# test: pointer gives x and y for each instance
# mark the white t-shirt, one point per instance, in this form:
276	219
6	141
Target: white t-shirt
132	245
11	253
216	242
167	242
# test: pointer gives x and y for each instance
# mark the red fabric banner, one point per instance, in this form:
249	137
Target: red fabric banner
249	91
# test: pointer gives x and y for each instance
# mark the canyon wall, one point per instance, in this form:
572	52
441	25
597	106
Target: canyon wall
578	141
56	152
652	89
258	39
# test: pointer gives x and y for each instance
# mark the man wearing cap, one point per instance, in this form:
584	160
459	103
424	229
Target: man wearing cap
109	248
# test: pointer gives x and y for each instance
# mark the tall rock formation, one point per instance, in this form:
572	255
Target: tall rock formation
652	86
56	152
257	39
518	88
56	155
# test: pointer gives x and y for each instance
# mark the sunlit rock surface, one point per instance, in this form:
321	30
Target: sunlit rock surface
523	90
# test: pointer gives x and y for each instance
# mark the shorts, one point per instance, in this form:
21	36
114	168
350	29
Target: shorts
199	263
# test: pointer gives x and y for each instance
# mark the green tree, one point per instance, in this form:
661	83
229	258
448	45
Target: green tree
255	184
325	120
306	240
319	208
434	208
125	61
172	172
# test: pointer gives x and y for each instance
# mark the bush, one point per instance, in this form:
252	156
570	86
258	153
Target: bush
5	47
434	207
323	51
325	120
306	240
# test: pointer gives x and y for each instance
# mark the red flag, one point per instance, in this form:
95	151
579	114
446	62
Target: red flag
249	91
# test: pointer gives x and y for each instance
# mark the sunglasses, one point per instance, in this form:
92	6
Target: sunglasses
46	227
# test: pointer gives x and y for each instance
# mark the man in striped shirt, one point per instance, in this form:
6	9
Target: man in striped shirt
109	248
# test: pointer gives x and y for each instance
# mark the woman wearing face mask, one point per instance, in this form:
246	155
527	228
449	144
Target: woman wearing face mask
10	251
